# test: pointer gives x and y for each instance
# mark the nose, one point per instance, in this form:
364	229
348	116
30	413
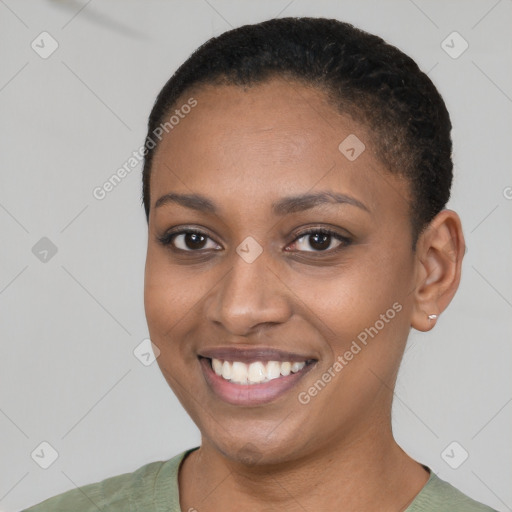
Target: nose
250	296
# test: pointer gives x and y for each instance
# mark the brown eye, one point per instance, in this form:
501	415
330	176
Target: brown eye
189	240
319	240
194	241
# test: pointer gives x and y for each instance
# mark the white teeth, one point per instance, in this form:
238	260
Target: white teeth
256	372
238	372
217	366
297	367
273	370
226	370
286	368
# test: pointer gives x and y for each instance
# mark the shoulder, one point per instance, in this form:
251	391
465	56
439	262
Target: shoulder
440	496
120	492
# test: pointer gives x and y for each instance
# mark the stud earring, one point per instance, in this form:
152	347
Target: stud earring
432	317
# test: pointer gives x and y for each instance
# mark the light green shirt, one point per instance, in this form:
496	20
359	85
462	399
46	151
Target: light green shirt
154	488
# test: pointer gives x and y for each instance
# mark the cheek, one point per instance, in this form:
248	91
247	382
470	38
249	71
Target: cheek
167	299
168	290
364	300
361	314
172	299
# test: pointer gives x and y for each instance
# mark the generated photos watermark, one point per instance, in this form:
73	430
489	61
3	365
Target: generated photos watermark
342	360
100	192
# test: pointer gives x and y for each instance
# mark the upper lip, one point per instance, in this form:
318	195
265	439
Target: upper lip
250	355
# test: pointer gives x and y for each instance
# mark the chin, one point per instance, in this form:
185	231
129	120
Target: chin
257	448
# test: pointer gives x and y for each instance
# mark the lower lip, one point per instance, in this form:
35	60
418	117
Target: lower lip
250	394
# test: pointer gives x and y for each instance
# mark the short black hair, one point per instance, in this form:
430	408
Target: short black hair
362	75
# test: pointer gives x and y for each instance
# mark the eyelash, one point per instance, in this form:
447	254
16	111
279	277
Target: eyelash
344	241
168	238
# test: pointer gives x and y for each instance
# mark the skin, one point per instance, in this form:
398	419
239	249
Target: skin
245	149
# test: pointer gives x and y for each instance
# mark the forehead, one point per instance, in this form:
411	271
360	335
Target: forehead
274	138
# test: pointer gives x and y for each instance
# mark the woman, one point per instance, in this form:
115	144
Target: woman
295	183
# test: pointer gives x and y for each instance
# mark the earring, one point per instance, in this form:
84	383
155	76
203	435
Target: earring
432	317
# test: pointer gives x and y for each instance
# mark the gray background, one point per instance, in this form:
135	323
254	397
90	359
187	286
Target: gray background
69	325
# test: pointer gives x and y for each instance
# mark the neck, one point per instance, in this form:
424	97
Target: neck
366	470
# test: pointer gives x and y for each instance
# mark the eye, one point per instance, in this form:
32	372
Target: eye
319	240
190	240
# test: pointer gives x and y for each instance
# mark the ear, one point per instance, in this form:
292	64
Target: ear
439	252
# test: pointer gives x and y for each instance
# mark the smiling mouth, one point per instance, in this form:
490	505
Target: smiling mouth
257	372
252	376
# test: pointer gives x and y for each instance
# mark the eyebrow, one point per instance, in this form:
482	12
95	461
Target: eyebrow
302	202
286	205
193	201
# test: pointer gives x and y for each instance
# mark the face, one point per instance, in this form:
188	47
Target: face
282	263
